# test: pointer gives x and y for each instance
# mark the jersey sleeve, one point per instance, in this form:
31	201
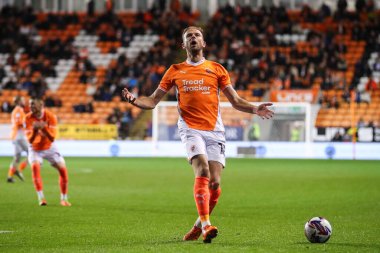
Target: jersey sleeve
167	81
224	79
15	117
52	125
28	125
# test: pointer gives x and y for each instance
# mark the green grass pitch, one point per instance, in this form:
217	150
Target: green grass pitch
146	205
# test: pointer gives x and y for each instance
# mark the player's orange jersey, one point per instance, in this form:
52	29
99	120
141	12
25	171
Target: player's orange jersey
198	87
41	142
17	118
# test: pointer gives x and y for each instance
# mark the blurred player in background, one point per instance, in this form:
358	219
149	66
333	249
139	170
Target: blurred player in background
198	83
41	128
18	140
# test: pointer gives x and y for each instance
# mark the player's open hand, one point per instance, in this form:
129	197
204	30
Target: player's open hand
264	112
128	96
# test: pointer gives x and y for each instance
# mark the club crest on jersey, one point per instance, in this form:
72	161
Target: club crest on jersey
192	148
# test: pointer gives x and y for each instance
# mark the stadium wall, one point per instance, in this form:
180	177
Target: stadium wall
297	150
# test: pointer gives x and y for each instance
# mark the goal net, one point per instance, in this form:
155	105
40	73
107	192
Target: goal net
292	122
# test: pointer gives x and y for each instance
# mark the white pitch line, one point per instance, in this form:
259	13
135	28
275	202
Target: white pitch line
86	170
5	231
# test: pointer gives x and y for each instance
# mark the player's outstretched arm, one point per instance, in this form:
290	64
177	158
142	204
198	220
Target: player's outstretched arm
243	105
142	102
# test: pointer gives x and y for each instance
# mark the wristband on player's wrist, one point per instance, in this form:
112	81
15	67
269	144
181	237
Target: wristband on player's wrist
132	100
254	110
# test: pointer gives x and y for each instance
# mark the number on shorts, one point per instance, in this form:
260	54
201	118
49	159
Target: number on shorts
222	148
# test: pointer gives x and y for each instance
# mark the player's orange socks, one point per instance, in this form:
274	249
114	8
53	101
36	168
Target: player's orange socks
63	180
214	196
11	171
23	165
202	197
36	176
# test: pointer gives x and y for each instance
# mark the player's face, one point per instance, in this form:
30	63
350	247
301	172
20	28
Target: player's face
36	106
22	102
193	40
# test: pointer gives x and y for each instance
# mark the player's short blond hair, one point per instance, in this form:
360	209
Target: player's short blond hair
17	99
192	27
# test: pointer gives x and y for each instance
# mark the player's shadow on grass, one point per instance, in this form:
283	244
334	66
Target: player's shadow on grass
179	241
343	244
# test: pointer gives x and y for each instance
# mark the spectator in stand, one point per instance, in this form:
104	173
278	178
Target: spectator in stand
324	11
57	101
365	97
2	73
27	84
346	136
98	94
341	64
376	64
115	116
357	31
89	107
337	137
86	106
360	5
341	9
242	80
90	7
79	108
371	85
125	124
107	94
11	84
371	124
6	107
341	83
103	94
361	123
49	102
277	84
83	77
358	96
327	83
91	89
53	101
84	64
346	95
333	103
340	48
370	6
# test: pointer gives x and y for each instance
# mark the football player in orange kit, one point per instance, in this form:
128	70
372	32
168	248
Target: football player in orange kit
18	140
41	128
198	83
